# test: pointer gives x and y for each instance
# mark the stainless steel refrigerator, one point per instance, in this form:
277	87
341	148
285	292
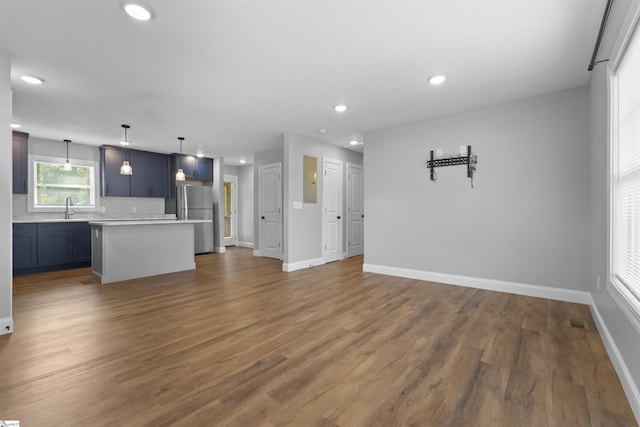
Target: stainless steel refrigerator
195	201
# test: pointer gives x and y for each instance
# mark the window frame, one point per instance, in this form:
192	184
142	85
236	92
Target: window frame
32	182
621	293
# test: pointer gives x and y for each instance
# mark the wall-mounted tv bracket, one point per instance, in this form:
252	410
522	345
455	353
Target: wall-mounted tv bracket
469	159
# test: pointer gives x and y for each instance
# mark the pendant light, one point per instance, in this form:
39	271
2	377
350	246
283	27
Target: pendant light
67	165
126	168
180	174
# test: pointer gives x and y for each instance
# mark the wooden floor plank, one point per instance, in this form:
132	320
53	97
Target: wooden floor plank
238	342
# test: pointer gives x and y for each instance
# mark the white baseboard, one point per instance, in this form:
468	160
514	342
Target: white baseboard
257	252
245	244
6	325
559	294
299	265
219	249
629	386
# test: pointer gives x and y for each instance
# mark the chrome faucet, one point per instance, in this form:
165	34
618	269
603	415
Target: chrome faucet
67	202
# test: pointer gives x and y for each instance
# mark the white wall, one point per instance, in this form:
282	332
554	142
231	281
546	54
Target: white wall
621	337
6	188
526	220
303	227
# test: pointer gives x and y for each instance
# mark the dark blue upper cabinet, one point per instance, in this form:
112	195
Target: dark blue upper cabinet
204	169
158	175
150	173
140	165
114	184
195	168
20	164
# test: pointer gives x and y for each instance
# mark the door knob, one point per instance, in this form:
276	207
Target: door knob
339	217
261	217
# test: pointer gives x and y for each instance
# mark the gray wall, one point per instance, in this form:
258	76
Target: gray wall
218	205
625	336
6	179
245	205
526	220
303	235
259	159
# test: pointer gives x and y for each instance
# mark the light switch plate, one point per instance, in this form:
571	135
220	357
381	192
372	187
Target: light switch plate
297	204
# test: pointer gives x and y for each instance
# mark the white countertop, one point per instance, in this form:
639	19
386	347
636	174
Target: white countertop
73	218
148	222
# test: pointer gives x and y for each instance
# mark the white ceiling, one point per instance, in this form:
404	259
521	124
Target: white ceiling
232	75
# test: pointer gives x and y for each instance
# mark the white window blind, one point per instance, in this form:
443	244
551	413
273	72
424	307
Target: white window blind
625	182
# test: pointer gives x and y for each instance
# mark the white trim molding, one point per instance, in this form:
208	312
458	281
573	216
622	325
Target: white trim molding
560	294
257	252
219	249
299	265
245	244
629	386
6	325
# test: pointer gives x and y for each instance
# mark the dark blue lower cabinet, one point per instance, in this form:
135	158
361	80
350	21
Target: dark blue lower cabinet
54	246
25	246
82	245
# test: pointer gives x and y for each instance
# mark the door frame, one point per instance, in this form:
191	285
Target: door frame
233	240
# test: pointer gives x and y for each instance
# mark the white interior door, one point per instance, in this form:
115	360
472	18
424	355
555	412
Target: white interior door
332	210
355	210
271	210
230	210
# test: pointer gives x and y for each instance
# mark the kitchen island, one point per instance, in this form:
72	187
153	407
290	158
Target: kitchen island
122	250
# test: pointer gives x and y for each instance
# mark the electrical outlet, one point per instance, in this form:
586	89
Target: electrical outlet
598	281
103	209
134	209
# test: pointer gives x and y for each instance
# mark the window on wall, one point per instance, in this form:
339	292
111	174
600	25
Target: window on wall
51	185
625	178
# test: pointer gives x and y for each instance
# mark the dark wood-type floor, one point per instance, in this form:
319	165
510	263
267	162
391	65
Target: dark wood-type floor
240	343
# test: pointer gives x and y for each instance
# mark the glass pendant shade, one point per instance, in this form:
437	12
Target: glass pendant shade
67	165
180	174
126	168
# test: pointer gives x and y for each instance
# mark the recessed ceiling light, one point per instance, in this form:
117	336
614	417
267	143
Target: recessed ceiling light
243	161
437	79
199	155
322	130
340	108
137	12
32	80
15	126
354	142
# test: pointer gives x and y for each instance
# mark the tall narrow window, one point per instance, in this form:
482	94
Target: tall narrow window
625	179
